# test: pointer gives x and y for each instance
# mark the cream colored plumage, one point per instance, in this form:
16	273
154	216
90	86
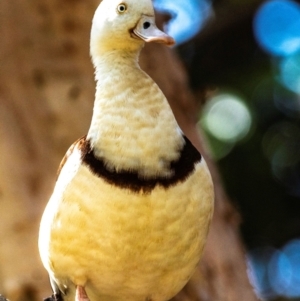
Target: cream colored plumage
101	236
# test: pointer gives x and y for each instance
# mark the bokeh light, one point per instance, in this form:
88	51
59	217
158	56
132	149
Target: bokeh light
258	260
281	145
279	272
227	118
275	272
277	27
286	101
188	17
290	72
292	252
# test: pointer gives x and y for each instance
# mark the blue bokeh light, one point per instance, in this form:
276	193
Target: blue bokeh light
280	273
277	27
275	272
290	72
189	17
292	252
258	271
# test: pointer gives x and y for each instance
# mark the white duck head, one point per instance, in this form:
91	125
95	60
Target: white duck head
124	25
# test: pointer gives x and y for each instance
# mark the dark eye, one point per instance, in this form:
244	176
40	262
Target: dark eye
146	25
122	8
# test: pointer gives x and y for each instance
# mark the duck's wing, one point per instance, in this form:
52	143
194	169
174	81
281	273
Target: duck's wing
76	145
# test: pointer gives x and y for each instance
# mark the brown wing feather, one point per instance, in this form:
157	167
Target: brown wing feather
76	144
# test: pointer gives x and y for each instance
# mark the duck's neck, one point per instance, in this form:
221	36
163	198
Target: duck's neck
106	61
133	127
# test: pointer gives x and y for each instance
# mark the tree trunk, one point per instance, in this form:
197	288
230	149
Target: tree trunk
46	99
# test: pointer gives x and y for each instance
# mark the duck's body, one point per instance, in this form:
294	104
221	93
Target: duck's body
126	245
130	211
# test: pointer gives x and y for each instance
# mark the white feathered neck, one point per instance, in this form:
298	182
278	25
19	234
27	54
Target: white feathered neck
133	127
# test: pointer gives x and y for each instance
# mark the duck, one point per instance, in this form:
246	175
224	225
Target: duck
133	200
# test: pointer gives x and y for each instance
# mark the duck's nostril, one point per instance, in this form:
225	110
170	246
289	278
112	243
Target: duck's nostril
146	25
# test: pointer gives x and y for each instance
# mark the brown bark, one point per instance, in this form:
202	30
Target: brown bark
46	98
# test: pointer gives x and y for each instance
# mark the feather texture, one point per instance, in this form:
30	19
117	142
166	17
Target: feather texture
132	204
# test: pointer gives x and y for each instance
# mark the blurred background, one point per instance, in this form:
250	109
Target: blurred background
245	55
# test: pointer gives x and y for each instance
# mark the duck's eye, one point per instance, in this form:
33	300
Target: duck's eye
122	8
